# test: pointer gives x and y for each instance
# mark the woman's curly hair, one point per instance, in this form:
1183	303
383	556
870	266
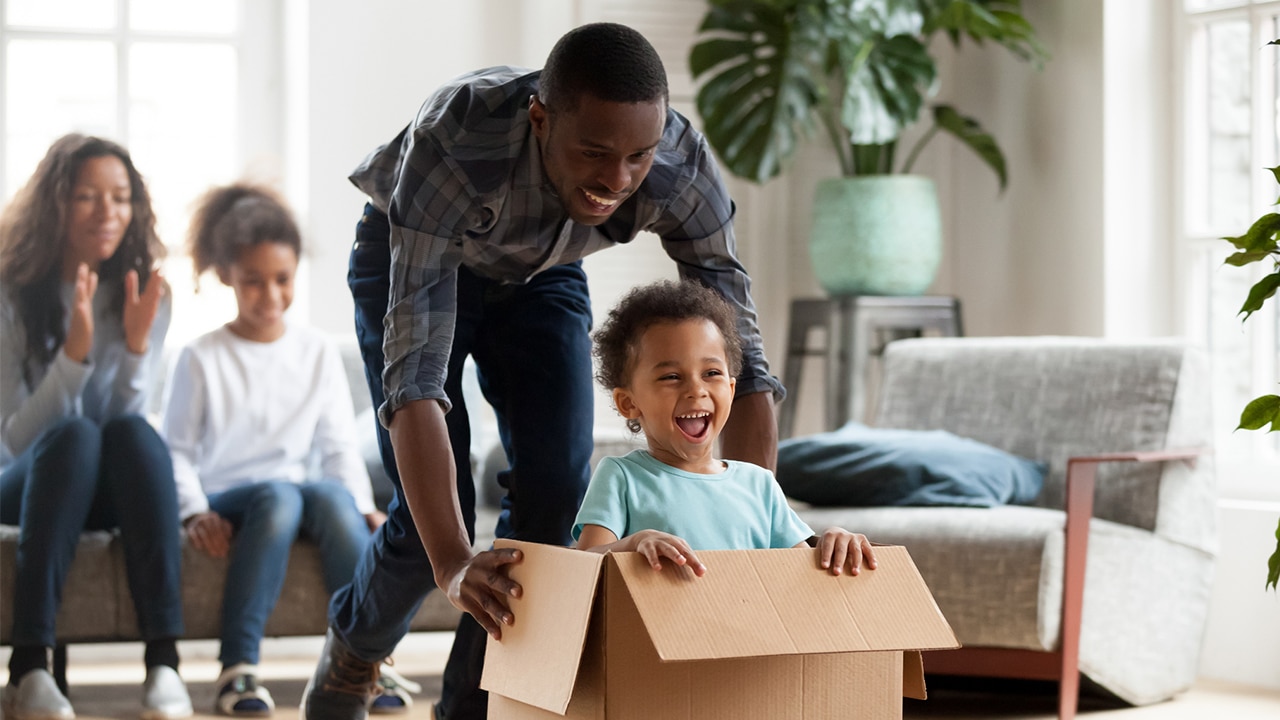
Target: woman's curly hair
33	238
618	339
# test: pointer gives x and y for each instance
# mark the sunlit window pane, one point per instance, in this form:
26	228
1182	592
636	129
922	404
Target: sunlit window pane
1230	166
1197	5
213	17
183	114
53	87
62	14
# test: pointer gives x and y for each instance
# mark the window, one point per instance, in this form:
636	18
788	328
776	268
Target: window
1230	134
184	84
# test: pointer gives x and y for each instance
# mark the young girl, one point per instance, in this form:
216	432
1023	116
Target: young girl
670	354
83	318
247	406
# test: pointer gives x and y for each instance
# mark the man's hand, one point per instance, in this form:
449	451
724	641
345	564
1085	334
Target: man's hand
210	533
751	434
839	547
481	587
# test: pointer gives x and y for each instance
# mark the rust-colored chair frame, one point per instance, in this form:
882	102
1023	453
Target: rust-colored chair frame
1062	665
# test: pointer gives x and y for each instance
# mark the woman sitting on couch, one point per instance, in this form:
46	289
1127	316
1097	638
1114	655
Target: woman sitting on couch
83	316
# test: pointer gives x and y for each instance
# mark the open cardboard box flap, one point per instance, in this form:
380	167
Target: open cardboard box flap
750	603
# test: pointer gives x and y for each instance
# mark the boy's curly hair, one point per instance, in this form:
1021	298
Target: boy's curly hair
617	340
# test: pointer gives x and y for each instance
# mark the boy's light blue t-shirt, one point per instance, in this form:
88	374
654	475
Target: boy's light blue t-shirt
741	508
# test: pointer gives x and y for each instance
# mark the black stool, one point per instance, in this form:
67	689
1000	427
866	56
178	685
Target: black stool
857	328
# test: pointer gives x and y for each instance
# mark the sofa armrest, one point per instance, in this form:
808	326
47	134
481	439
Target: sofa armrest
1082	472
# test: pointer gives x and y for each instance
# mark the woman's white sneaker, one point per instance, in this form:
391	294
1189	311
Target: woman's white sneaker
36	697
164	695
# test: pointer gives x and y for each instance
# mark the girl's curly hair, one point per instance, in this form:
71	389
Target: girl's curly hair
617	341
230	218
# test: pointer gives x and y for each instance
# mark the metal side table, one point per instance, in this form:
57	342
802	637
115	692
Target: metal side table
857	327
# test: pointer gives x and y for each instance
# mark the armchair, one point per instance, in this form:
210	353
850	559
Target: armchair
1108	574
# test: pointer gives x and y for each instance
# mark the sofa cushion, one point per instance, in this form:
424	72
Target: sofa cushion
868	467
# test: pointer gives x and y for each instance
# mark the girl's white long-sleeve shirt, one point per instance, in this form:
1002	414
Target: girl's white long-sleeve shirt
239	411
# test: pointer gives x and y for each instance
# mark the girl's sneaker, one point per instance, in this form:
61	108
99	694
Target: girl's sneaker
395	698
240	695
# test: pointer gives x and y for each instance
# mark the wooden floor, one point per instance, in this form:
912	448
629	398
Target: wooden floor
105	684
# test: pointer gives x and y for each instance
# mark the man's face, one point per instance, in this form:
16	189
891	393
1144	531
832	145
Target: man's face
597	155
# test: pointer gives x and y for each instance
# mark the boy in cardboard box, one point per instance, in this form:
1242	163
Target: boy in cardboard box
670	355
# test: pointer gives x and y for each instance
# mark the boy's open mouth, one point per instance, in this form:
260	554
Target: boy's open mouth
695	426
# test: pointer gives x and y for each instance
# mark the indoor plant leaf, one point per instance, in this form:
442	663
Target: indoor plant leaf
759	94
1261	411
1260	236
886	91
969	132
1261	290
1273	564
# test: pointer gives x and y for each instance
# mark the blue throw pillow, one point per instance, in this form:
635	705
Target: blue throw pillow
864	466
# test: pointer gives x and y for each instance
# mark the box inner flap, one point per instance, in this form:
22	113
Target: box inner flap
780	602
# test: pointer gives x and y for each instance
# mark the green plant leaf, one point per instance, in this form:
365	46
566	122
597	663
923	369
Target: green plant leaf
885	93
1261	411
1258	294
969	132
1241	259
1273	563
760	91
1000	21
1260	236
1275	171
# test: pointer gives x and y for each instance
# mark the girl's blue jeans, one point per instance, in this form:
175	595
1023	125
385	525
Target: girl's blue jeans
268	517
80	476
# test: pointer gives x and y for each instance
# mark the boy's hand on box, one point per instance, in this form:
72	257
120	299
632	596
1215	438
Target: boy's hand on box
655	545
838	548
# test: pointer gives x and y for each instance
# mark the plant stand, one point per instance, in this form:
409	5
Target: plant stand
857	327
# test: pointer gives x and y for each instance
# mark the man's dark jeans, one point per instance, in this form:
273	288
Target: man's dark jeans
532	349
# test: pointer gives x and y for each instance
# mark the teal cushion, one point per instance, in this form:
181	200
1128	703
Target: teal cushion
864	466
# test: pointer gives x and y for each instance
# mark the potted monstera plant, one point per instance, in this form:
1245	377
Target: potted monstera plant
771	71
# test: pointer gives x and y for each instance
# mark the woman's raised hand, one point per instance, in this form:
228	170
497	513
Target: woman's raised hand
140	309
80	332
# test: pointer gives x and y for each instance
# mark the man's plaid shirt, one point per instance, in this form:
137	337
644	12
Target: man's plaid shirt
464	185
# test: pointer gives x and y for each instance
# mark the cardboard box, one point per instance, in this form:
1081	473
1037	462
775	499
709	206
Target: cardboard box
764	634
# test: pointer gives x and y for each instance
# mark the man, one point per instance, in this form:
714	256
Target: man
480	212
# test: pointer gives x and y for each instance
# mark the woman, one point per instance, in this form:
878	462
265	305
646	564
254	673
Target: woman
83	316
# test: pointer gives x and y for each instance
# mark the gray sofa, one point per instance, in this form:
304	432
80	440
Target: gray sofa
1012	581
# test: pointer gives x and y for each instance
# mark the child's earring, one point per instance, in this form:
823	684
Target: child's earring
627	409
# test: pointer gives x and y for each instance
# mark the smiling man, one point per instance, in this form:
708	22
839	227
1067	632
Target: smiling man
479	214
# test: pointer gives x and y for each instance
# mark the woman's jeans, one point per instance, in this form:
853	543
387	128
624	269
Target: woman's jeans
78	476
268	517
532	350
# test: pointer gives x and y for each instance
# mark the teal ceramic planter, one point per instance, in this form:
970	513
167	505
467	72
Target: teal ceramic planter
876	235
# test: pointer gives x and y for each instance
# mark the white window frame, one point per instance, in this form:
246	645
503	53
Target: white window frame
259	134
1248	461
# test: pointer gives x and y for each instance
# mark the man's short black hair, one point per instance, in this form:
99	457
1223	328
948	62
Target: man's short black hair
605	60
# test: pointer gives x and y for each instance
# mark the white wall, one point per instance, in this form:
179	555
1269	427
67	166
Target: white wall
358	75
